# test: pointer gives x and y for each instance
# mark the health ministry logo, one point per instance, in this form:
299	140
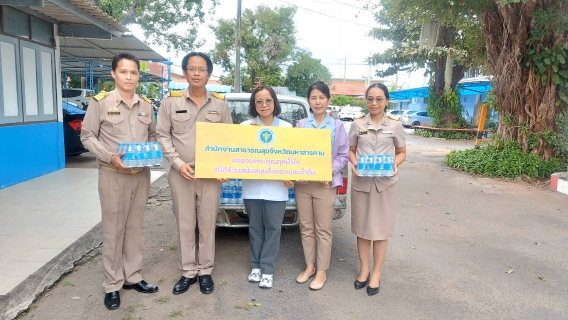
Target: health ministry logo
266	136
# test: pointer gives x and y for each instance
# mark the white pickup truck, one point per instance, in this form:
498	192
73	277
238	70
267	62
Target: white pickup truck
293	109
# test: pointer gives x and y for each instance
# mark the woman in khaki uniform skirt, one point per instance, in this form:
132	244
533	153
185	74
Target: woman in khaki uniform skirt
373	200
316	199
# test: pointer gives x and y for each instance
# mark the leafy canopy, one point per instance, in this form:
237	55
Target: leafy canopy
305	71
267	41
168	23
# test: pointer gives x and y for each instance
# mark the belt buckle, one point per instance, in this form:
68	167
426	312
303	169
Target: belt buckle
133	171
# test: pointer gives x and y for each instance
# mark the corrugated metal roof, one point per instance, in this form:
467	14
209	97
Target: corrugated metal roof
101	70
107	49
61	14
468	88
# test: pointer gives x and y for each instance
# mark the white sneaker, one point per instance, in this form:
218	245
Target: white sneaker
266	281
254	275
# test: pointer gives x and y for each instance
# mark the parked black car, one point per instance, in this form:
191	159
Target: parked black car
72	124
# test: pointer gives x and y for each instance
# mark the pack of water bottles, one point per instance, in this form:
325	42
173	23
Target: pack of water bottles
144	154
291	197
379	165
232	192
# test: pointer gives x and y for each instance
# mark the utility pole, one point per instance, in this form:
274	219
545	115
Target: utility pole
344	67
238	49
369	74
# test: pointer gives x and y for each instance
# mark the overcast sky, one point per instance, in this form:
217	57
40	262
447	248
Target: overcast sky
331	29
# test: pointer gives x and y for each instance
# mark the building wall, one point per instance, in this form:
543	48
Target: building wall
31	128
30	151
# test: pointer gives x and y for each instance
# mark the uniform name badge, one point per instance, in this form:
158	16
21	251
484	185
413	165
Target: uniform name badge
214	112
387	132
361	132
143	114
113	111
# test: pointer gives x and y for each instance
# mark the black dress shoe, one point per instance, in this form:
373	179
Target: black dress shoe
373	291
141	286
183	284
112	300
206	284
360	285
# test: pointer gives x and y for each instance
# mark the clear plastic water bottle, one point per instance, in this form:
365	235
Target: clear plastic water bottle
224	193
239	194
232	192
369	165
138	155
291	197
378	166
361	166
388	166
148	155
129	157
120	148
157	153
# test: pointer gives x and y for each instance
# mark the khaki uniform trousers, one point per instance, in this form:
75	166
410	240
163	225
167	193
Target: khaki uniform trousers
123	203
316	202
195	204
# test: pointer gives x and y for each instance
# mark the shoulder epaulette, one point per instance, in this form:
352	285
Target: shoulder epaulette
101	95
361	116
145	98
218	96
176	93
392	117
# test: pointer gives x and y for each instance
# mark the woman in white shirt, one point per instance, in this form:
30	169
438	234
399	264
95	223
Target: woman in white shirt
265	200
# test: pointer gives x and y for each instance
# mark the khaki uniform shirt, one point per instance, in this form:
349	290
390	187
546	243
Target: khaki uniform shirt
373	140
109	121
177	120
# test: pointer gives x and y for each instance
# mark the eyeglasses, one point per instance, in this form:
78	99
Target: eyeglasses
262	102
193	69
378	99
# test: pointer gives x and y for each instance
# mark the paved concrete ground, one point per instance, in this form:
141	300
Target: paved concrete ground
457	239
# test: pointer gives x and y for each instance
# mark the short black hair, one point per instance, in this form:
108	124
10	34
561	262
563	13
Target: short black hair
185	60
124	55
321	86
380	86
252	104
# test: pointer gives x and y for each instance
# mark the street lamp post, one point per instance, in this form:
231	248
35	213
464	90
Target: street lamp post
238	49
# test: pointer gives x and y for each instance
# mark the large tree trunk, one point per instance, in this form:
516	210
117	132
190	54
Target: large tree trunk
525	106
445	38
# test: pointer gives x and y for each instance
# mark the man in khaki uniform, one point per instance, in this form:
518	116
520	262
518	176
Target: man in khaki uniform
195	201
121	116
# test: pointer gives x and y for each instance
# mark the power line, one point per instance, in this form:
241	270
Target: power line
323	14
352	6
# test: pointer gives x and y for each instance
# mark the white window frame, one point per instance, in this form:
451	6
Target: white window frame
20	116
41	116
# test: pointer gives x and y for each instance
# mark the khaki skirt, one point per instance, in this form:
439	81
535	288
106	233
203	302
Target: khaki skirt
373	213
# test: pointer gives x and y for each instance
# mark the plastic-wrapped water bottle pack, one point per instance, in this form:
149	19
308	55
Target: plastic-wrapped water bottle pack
144	154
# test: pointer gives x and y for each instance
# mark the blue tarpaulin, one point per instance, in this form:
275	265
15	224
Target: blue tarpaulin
210	87
466	89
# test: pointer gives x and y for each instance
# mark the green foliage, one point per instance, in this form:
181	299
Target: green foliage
168	23
360	103
106	86
446	109
550	66
449	135
342	100
268	40
503	159
400	23
74	82
150	90
305	71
